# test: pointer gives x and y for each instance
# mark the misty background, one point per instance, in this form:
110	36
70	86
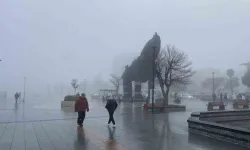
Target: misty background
52	41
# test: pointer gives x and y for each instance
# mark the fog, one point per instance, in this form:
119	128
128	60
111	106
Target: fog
53	41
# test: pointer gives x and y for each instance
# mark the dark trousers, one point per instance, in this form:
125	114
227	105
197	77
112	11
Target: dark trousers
81	117
111	117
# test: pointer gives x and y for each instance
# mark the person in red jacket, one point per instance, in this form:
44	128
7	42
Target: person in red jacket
81	106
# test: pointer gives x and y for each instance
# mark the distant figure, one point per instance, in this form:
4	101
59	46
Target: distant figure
247	98
16	96
243	97
234	96
81	106
225	97
221	96
111	107
239	97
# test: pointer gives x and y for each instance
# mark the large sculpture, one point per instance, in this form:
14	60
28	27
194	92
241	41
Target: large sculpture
141	69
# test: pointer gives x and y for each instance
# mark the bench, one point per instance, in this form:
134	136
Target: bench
211	105
241	104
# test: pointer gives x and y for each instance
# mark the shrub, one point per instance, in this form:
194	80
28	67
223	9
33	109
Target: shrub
70	98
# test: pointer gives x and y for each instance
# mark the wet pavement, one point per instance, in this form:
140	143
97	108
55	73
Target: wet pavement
41	124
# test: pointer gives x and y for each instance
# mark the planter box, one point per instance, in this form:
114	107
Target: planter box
161	107
67	104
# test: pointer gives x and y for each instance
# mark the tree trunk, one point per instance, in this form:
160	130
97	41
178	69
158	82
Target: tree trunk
74	91
231	86
166	96
165	99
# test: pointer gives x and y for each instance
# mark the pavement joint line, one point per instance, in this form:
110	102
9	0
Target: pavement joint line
6	122
122	114
13	136
43	120
36	136
3	131
48	135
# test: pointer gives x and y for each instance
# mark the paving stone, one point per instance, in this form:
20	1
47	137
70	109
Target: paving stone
7	137
18	142
43	139
31	140
34	125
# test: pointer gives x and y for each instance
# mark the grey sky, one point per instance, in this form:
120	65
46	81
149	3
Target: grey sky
57	40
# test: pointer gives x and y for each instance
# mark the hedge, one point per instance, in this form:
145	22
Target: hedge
70	98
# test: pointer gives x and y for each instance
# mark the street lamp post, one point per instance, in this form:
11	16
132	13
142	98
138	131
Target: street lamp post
213	87
153	78
24	90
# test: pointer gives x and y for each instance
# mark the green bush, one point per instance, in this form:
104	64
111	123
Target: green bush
70	98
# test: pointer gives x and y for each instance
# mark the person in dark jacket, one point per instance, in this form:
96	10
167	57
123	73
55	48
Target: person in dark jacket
221	96
225	97
16	96
81	106
111	107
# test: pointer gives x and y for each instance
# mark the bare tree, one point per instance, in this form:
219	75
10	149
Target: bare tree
232	83
172	68
115	80
74	84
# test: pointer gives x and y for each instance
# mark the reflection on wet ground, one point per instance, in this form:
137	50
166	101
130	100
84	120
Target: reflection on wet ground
28	126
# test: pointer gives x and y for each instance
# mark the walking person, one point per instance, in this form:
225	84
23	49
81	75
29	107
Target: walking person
16	96
225	97
81	106
221	96
111	107
234	97
243	97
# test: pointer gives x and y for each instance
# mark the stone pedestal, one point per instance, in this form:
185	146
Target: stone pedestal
138	95
127	90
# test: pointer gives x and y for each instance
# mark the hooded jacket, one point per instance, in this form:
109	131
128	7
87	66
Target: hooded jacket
81	104
111	105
